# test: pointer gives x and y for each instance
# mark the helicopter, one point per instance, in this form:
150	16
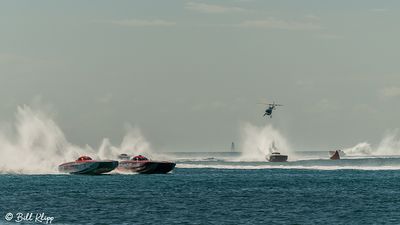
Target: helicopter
271	107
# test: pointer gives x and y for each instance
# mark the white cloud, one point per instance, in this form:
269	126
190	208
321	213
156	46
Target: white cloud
208	8
312	17
140	23
273	23
390	92
26	63
379	10
15	59
323	105
304	83
105	99
364	108
211	106
329	36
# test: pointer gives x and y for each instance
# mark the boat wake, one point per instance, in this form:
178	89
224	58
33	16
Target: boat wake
389	145
265	167
367	163
258	142
37	145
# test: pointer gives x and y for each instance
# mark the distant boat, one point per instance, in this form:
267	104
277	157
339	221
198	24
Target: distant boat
340	152
275	156
336	155
232	147
124	156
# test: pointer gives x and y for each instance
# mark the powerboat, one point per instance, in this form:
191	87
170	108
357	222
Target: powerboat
86	165
276	157
336	155
340	152
141	164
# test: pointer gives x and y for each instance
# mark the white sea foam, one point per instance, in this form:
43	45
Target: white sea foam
389	145
259	167
363	148
36	145
133	143
259	141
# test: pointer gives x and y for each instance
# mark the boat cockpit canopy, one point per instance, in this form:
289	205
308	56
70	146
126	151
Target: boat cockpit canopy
124	156
139	158
84	158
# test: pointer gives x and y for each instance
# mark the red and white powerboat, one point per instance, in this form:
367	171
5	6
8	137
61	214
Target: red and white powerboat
141	164
86	165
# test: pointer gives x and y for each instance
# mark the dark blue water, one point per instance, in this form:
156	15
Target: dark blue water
208	196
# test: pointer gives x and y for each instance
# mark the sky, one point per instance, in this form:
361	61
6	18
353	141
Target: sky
189	74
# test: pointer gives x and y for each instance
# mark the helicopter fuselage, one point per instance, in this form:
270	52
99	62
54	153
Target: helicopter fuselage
270	109
268	112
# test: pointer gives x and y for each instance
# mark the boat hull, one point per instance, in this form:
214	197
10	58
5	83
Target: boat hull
277	158
340	152
335	156
146	167
92	167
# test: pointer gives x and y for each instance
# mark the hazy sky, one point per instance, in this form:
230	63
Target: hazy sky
189	73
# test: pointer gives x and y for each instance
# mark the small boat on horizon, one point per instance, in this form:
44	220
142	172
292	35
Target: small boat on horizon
275	156
86	165
335	156
141	164
340	152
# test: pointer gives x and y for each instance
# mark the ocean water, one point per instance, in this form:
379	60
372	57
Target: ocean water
215	191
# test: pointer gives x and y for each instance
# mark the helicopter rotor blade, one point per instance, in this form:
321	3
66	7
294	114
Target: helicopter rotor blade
269	104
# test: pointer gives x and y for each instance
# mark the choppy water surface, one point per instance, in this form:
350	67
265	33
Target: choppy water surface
215	192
